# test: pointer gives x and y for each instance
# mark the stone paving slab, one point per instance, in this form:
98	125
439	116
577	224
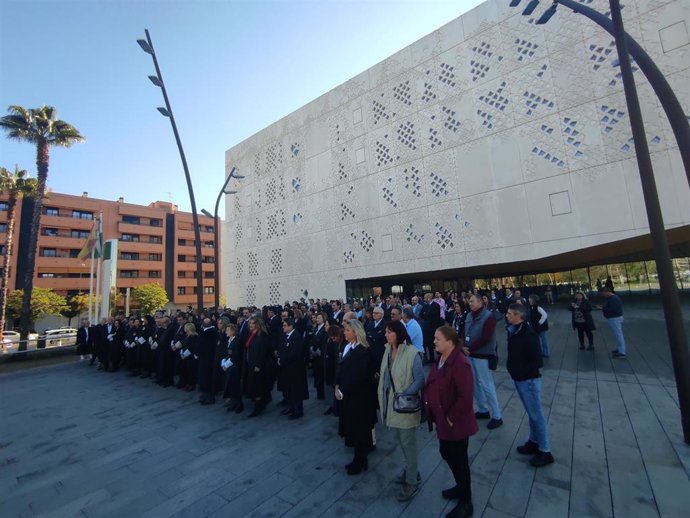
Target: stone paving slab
77	442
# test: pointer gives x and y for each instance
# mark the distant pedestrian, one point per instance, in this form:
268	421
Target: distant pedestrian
582	320
613	313
523	364
539	320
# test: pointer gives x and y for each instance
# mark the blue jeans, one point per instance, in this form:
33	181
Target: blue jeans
530	395
484	388
544	344
616	325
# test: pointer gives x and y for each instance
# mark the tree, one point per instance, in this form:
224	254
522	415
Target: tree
43	302
39	126
15	185
78	304
149	297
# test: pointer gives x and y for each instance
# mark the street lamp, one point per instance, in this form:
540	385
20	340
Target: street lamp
147	46
216	230
669	292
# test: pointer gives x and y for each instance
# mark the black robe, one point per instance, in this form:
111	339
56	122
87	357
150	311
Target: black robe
293	370
258	384
357	408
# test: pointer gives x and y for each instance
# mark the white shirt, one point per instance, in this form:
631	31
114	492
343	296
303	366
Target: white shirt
348	348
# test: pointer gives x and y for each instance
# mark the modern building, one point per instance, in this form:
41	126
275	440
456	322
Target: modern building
155	244
493	146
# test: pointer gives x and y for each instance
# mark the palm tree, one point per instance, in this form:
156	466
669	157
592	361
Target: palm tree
39	126
15	185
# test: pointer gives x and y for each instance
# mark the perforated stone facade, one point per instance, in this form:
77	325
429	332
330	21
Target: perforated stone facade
490	140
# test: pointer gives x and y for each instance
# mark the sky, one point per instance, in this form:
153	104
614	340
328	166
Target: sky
231	68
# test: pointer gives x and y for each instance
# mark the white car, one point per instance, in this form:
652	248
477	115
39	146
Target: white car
61	336
10	341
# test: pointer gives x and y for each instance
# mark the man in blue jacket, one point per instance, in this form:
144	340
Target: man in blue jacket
613	313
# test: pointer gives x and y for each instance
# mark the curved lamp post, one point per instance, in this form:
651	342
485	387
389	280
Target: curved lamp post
157	80
216	230
669	292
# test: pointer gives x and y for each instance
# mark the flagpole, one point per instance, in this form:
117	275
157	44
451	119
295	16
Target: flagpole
98	266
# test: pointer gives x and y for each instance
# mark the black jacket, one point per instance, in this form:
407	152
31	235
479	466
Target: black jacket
524	354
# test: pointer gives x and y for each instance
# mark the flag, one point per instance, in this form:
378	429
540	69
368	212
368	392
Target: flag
93	243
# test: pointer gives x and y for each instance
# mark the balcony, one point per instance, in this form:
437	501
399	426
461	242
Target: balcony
141	247
62	284
66	222
142	230
49	263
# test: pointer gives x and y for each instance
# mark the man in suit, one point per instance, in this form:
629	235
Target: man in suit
376	336
317	353
337	316
293	371
101	344
207	353
84	340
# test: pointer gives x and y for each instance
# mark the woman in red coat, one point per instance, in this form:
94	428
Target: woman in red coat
448	396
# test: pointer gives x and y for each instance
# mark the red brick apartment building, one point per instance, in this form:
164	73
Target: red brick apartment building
155	244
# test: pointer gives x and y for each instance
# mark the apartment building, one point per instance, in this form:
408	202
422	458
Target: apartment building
155	244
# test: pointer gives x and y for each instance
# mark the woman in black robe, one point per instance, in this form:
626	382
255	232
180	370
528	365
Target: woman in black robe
233	362
257	373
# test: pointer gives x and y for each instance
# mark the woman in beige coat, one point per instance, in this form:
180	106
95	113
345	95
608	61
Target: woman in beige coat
402	372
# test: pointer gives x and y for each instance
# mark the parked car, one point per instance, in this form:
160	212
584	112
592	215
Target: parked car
60	336
10	341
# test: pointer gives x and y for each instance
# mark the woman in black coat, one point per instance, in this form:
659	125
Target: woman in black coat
257	373
188	364
353	389
331	356
233	362
582	319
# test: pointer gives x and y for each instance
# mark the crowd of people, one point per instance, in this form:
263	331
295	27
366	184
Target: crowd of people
366	361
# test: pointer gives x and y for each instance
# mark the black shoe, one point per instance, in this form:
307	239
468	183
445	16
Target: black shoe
258	408
356	468
100	368
286	411
482	415
239	409
451	493
618	355
529	448
590	348
461	511
283	402
494	423
295	416
90	363
329	411
582	347
541	459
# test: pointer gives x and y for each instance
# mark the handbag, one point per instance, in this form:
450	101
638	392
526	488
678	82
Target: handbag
403	403
493	362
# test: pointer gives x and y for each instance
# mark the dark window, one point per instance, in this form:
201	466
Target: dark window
181	258
130	237
3	227
181	242
155	239
131	220
208	244
129	256
129	274
208	229
2	250
154	274
181	290
80	214
82	234
181	275
51	211
155	257
156	222
208	259
48	252
209	275
74	252
4	206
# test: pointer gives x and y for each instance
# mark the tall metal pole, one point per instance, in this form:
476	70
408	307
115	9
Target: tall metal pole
216	224
669	292
188	178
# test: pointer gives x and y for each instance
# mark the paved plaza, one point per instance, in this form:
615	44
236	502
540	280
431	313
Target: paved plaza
77	442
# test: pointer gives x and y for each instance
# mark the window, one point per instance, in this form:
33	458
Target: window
130	237
181	242
131	220
208	259
74	252
209	275
154	274
155	239
129	256
80	214
4	206
181	290
3	227
208	244
181	258
48	252
208	290
129	274
51	232
46	275
156	222
2	249
155	257
81	234
208	229
181	275
49	211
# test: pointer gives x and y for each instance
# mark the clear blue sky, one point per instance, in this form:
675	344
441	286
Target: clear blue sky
231	68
